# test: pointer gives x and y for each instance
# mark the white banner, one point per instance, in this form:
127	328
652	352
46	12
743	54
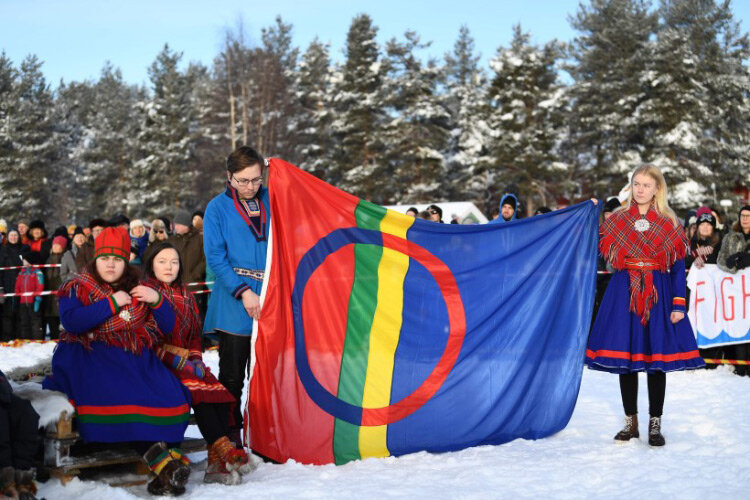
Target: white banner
719	308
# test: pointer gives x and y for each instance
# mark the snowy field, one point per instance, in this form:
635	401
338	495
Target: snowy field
706	424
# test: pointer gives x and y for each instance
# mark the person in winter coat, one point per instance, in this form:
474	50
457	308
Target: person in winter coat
734	256
189	242
10	256
38	241
139	236
30	280
641	324
705	244
68	265
735	248
181	352
508	208
86	253
53	280
235	242
19	444
105	364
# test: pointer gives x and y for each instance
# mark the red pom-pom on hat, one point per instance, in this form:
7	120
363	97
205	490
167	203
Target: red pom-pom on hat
113	241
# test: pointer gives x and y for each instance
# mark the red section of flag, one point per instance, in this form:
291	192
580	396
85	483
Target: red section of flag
299	219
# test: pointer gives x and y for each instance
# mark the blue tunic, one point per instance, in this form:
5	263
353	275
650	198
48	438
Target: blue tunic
619	343
119	395
229	243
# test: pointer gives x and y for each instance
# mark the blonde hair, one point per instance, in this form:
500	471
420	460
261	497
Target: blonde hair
660	198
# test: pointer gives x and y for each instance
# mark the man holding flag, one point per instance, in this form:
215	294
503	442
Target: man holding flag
235	239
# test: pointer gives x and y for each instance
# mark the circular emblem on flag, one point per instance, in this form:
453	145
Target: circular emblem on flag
443	276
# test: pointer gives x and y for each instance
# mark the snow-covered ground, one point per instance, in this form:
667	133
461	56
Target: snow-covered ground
706	425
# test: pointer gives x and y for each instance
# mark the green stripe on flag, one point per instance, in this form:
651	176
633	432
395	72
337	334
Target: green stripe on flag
362	305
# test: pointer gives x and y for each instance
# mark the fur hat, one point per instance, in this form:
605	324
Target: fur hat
118	220
136	223
97	223
112	241
37	224
32	257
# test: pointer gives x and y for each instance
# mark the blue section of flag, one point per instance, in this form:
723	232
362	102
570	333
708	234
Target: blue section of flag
528	290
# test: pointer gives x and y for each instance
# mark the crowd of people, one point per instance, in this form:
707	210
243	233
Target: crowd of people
131	332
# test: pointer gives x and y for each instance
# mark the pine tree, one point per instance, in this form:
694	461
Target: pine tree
526	115
8	105
160	179
609	66
698	102
33	152
313	94
360	113
417	132
467	155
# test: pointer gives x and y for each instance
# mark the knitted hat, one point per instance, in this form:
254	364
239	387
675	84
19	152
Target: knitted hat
60	240
136	223
183	217
197	212
509	200
113	241
704	215
78	230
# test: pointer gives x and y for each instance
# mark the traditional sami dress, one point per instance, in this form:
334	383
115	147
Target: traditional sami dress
235	240
183	345
633	331
105	364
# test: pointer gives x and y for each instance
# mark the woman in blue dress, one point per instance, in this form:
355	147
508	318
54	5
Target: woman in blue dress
105	364
641	324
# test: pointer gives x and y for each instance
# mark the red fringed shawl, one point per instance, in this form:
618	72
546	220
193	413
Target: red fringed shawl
664	242
133	335
185	342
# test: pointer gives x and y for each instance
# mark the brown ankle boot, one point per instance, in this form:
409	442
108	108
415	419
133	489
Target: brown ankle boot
630	430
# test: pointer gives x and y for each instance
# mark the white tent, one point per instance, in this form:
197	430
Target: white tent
465	211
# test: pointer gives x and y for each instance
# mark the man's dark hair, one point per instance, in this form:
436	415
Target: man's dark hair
243	157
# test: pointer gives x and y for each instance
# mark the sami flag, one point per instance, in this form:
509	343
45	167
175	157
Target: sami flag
381	334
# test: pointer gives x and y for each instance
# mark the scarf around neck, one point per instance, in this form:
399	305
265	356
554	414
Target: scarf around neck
664	242
252	211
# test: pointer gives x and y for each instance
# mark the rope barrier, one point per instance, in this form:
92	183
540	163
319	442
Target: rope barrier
9	268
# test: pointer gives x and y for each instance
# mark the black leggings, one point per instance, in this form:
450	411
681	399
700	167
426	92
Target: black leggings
657	386
212	420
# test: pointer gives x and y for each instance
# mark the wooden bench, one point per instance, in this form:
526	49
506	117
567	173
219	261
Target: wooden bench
66	456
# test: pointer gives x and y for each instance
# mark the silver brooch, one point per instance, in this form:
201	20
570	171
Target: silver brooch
125	314
642	225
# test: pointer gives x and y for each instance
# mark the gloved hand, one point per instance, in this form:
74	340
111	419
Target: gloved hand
743	260
733	260
199	369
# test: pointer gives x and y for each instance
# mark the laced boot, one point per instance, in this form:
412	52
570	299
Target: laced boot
25	484
630	430
216	471
655	437
171	468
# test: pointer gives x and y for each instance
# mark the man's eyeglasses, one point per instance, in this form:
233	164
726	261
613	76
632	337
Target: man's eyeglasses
434	212
244	182
159	232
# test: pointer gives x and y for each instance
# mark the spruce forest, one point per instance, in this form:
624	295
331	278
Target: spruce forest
665	83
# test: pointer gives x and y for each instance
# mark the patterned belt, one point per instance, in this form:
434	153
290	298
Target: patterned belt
641	264
255	274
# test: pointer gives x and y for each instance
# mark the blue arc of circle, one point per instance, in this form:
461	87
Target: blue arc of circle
314	257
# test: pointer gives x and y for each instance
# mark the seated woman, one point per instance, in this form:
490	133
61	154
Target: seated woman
105	365
181	352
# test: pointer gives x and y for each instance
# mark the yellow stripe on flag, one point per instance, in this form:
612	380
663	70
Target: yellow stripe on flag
384	334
